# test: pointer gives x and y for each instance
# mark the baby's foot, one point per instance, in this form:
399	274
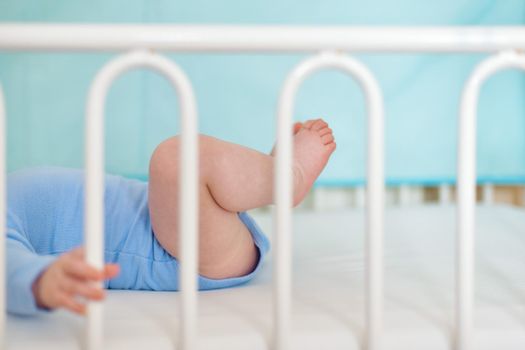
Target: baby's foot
313	144
296	127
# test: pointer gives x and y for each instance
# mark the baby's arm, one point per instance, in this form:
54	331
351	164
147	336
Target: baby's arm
66	278
37	281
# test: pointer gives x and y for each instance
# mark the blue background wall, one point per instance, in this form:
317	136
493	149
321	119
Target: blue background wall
237	94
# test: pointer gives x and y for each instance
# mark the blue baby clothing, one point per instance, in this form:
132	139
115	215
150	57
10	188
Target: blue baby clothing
45	218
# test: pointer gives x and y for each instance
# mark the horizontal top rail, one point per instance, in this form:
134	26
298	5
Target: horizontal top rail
17	36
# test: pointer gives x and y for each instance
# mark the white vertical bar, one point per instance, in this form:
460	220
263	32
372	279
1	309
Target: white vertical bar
445	195
189	209
466	194
283	227
94	200
488	194
375	207
467	190
405	195
375	195
410	195
94	229
3	195
418	195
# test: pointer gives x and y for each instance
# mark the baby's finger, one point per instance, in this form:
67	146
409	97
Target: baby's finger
71	304
74	287
78	268
78	252
111	270
89	292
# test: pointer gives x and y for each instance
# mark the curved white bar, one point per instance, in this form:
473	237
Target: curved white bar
283	194
467	189
94	223
227	38
3	213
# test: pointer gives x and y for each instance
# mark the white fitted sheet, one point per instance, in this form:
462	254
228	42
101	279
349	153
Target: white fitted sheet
328	291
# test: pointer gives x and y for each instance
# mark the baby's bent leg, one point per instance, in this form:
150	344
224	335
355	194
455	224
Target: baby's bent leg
232	178
239	176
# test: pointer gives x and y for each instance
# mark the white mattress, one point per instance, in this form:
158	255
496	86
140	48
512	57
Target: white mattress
328	286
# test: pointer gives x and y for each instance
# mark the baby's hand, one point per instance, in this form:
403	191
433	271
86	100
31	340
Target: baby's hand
68	277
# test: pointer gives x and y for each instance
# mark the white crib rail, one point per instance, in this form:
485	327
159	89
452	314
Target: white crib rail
94	223
3	134
467	189
375	193
276	38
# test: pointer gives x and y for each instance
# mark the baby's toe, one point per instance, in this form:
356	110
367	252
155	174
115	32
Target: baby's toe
319	124
308	124
296	127
325	131
328	138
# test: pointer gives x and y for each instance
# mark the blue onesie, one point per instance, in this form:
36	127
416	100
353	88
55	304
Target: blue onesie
45	219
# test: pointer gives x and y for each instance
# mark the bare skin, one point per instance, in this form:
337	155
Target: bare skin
232	178
68	278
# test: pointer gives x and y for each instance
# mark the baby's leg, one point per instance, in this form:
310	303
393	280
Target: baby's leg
226	248
232	178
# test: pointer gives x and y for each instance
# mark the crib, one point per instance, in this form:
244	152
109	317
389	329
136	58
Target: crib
261	316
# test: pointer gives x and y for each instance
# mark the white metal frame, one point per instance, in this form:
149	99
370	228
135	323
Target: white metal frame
283	193
94	223
467	189
264	38
71	37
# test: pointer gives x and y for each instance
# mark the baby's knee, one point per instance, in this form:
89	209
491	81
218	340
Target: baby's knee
165	160
163	163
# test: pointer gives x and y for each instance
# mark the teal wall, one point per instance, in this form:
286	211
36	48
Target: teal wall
237	94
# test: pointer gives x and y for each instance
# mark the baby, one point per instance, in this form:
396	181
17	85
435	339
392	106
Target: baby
45	222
